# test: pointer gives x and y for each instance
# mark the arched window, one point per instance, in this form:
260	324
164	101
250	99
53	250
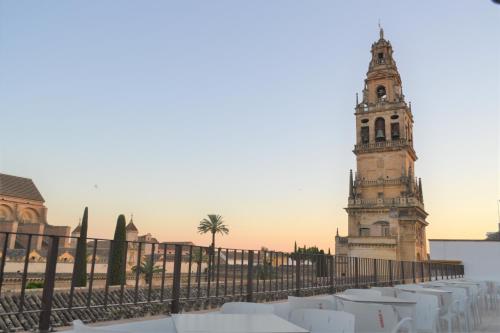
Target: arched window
365	134
380	129
381	93
395	131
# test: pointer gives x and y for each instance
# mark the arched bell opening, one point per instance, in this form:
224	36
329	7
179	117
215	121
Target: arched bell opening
380	129
381	93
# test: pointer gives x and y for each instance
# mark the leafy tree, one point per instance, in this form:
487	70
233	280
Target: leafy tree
117	253
147	268
314	255
80	268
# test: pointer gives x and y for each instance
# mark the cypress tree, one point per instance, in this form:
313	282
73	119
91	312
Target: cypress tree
117	252
80	268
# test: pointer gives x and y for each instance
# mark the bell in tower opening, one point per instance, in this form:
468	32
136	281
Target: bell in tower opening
386	216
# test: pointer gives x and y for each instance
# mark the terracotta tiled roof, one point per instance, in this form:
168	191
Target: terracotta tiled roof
131	226
19	187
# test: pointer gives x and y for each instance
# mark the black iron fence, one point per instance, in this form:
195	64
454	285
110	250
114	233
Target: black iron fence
38	284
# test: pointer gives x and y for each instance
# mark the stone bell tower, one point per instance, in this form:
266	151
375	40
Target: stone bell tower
385	207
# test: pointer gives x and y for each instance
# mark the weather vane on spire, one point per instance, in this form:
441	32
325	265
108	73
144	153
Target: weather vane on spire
381	30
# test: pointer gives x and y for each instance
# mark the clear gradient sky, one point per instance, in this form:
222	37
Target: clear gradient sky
242	108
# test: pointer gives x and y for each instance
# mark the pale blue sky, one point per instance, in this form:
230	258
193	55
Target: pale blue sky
242	108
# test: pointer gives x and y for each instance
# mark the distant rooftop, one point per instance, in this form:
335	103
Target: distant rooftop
19	187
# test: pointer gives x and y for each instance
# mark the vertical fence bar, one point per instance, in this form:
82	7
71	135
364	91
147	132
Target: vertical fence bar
287	272
198	272
356	272
150	273
331	273
124	281
303	268
250	276
297	274
391	278
25	273
422	272
108	273
137	272
217	273
209	270
164	271
234	272
241	271
73	277
264	269
91	277
275	275
225	272
48	286
190	264
258	270
402	272
282	271
176	284
414	275
4	258
375	272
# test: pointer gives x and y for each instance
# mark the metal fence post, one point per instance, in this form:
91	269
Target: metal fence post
176	283
422	273
297	274
402	272
413	272
430	270
330	274
391	279
375	272
250	277
48	286
356	272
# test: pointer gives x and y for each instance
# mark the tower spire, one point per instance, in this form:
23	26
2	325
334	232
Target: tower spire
381	30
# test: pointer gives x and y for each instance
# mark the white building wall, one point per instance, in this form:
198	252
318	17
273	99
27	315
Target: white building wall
481	259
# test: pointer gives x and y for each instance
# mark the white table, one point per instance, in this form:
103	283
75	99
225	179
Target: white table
404	307
445	297
375	299
233	323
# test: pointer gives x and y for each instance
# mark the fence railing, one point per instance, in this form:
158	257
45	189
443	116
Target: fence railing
39	285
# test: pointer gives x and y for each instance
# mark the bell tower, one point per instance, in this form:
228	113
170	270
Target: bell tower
385	208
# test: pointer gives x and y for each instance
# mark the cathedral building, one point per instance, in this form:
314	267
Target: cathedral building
386	214
23	210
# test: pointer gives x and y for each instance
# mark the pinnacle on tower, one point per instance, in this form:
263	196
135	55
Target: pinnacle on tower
351	185
420	192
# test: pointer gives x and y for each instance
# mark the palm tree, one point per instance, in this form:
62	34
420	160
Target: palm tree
215	225
147	268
